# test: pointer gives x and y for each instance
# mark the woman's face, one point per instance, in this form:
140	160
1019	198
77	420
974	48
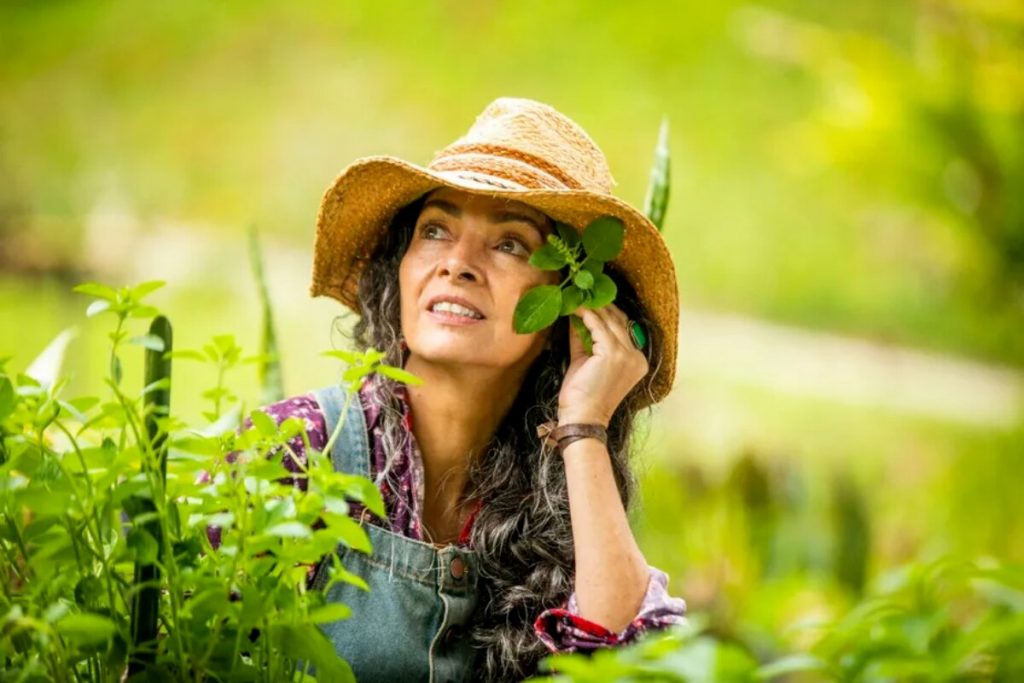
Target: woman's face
462	275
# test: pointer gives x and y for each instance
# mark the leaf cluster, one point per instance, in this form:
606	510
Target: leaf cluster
582	259
234	529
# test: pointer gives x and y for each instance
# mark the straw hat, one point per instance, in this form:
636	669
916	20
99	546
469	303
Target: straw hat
518	149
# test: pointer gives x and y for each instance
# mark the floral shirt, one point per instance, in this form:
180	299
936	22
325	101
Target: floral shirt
561	629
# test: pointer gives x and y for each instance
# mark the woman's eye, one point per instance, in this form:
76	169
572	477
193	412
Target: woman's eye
513	246
432	231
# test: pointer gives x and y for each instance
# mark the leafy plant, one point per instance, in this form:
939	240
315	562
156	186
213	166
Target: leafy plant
931	621
138	547
582	259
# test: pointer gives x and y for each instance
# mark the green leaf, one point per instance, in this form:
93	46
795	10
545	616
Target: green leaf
572	298
593	265
568	234
399	375
548	258
148	341
115	369
308	643
334	611
141	290
603	238
8	398
46	367
86	629
263	423
656	202
537	309
290	530
97	290
97	307
584	279
603	292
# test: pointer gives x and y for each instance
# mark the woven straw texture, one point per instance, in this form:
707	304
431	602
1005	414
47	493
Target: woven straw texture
517	149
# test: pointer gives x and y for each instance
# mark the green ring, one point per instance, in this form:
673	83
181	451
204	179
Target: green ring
637	334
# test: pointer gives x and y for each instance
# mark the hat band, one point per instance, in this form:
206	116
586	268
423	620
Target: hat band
499	162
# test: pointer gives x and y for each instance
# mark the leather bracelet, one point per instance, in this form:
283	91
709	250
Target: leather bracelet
561	436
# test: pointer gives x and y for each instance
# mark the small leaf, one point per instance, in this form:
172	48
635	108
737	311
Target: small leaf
307	642
334	611
263	423
568	234
97	307
399	375
603	292
115	369
548	258
86	629
146	288
143	312
46	367
572	298
603	238
593	265
584	279
8	398
97	290
148	341
290	530
537	309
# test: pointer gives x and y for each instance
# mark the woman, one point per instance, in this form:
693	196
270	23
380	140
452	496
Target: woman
499	546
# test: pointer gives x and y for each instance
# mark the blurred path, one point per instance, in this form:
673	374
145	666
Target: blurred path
713	346
848	370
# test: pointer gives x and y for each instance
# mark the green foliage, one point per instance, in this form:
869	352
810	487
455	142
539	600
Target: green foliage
270	363
134	544
939	621
582	259
656	201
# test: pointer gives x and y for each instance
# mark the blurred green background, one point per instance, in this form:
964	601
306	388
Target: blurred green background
847	222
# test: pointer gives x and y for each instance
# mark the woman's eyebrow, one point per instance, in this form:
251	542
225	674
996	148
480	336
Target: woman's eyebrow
507	216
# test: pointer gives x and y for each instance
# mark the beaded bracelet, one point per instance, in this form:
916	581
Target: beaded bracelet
561	436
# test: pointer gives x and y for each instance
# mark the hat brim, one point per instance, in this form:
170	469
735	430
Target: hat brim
364	198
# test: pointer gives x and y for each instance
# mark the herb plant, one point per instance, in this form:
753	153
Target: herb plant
582	259
136	547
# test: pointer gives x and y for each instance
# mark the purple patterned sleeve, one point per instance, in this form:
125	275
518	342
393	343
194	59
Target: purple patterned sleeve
564	630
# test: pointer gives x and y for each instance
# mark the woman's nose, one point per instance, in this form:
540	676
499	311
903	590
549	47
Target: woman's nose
462	262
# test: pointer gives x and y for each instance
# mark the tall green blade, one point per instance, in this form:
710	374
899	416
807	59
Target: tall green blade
271	380
146	599
656	203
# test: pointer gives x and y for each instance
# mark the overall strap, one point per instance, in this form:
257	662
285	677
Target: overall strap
351	450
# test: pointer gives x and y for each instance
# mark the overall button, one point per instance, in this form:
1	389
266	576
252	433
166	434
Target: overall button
457	568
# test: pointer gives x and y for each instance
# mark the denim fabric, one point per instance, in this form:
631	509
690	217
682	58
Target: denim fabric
413	623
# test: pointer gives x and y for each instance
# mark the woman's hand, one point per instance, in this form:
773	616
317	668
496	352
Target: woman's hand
595	385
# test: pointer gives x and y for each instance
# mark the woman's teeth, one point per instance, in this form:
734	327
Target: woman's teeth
447	307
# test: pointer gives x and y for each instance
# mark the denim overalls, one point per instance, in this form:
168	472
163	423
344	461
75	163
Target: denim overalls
413	623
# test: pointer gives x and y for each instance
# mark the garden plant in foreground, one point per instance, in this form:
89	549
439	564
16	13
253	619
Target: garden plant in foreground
105	521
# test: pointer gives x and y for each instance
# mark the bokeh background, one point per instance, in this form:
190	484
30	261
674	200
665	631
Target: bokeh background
846	218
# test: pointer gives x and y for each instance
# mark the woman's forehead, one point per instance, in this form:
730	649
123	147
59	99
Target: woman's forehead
483	203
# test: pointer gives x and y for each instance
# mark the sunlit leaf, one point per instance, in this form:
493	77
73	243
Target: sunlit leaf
537	309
